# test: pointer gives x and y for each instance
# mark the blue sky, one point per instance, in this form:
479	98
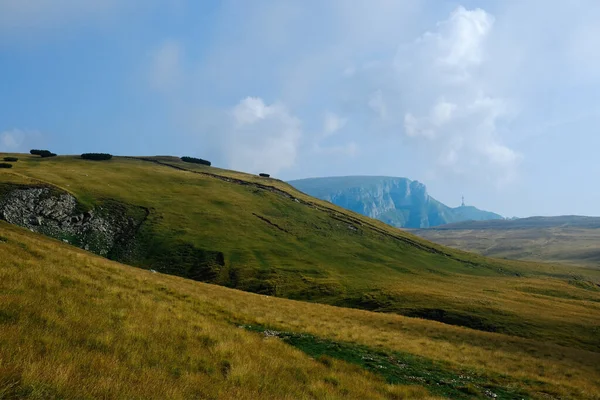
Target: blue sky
498	101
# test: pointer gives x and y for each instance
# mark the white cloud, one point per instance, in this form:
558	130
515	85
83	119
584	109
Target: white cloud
377	104
452	52
435	92
415	127
166	68
466	139
449	106
17	140
253	109
292	51
442	112
261	137
10	141
459	40
333	123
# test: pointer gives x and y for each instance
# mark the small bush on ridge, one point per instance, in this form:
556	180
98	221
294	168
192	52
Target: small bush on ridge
42	153
264	175
195	160
96	156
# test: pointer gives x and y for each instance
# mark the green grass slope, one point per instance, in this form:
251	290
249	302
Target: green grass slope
77	326
280	242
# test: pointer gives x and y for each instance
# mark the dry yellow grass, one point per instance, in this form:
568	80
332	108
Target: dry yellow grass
77	326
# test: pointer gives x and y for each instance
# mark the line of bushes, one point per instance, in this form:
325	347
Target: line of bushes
11	159
263	175
42	153
5	165
195	160
96	156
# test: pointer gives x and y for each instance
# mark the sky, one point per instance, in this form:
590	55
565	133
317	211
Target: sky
498	101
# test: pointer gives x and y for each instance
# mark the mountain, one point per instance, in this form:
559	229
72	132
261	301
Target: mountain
398	202
77	320
261	235
567	239
562	221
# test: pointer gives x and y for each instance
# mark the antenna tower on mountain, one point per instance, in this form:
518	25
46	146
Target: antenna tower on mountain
463	201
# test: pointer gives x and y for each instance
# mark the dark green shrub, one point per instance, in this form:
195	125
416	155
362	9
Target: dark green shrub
42	153
5	165
11	159
264	175
96	156
195	160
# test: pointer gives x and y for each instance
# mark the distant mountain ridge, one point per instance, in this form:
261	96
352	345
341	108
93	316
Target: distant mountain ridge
399	202
561	221
571	239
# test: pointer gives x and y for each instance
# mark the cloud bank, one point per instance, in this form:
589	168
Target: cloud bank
262	137
456	113
479	98
432	91
429	90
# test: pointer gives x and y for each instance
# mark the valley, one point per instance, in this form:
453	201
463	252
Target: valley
565	239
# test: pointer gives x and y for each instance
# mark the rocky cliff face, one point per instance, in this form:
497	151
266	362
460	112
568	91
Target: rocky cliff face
111	229
397	201
104	230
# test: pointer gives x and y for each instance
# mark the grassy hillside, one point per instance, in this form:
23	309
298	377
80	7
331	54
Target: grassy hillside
277	241
565	239
74	325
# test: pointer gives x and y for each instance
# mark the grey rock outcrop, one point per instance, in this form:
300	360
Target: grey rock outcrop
57	214
112	229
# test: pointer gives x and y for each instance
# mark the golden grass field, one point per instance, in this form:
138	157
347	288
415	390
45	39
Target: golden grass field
74	325
78	326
